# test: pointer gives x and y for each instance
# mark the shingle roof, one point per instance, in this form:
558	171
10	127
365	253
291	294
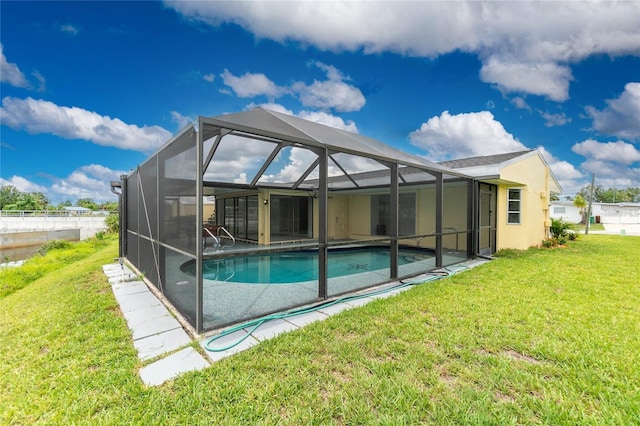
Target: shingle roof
484	160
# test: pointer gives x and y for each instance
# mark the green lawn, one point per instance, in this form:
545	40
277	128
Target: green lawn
535	337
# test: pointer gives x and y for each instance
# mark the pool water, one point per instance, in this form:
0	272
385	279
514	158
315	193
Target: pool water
300	266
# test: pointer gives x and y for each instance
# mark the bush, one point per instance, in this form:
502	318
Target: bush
113	223
559	228
54	245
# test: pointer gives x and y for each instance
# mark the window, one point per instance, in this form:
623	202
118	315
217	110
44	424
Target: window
239	215
559	210
380	211
514	206
291	217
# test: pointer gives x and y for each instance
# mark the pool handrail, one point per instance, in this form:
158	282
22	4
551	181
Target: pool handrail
222	228
431	234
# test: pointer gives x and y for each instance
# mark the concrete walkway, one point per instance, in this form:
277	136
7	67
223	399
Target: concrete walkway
632	229
167	350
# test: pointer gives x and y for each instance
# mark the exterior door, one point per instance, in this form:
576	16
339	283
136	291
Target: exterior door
487	219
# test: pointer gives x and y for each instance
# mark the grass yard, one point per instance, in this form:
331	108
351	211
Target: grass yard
545	336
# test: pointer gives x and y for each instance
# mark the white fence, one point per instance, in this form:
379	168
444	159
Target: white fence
51	213
26	220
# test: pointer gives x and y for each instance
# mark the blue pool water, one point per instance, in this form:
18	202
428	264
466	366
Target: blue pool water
299	266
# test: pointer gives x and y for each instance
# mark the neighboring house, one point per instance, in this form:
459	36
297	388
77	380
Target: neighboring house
515	192
606	213
566	211
76	210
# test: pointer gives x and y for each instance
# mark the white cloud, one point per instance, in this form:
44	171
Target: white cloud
520	103
562	170
209	77
22	184
179	119
250	85
39	116
554	119
69	29
608	173
331	94
617	152
42	82
524	46
550	79
10	73
91	181
611	162
621	117
463	135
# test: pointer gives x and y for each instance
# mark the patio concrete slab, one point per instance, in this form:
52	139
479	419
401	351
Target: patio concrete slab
305	319
131	287
137	301
172	366
271	329
227	340
335	308
119	278
154	326
358	302
134	318
159	344
390	293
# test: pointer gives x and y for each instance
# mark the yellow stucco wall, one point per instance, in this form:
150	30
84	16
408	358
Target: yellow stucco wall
454	216
534	176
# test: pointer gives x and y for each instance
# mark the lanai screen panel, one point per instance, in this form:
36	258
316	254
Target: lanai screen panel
289	165
179	230
237	159
132	218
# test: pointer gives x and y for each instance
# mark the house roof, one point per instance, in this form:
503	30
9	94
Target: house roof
487	168
484	160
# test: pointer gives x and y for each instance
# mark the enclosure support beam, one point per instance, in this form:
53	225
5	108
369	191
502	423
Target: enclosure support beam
393	219
123	217
213	149
472	214
199	221
323	198
439	204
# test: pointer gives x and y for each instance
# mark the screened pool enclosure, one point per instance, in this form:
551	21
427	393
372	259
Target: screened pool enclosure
255	212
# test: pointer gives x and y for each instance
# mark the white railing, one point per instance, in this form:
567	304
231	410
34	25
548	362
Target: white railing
52	213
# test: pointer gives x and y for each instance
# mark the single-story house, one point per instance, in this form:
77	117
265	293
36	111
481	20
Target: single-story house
606	213
515	191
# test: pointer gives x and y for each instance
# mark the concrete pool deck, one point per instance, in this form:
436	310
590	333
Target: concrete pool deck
165	347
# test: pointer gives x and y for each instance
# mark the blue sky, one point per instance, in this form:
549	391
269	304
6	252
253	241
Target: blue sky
90	89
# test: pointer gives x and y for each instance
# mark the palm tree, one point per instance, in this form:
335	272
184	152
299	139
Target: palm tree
580	203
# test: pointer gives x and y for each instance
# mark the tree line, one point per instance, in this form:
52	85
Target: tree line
13	199
610	195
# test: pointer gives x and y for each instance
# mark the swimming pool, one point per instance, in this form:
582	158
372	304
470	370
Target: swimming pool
300	266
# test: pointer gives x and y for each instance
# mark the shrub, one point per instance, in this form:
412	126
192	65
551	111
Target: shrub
559	228
54	245
113	223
